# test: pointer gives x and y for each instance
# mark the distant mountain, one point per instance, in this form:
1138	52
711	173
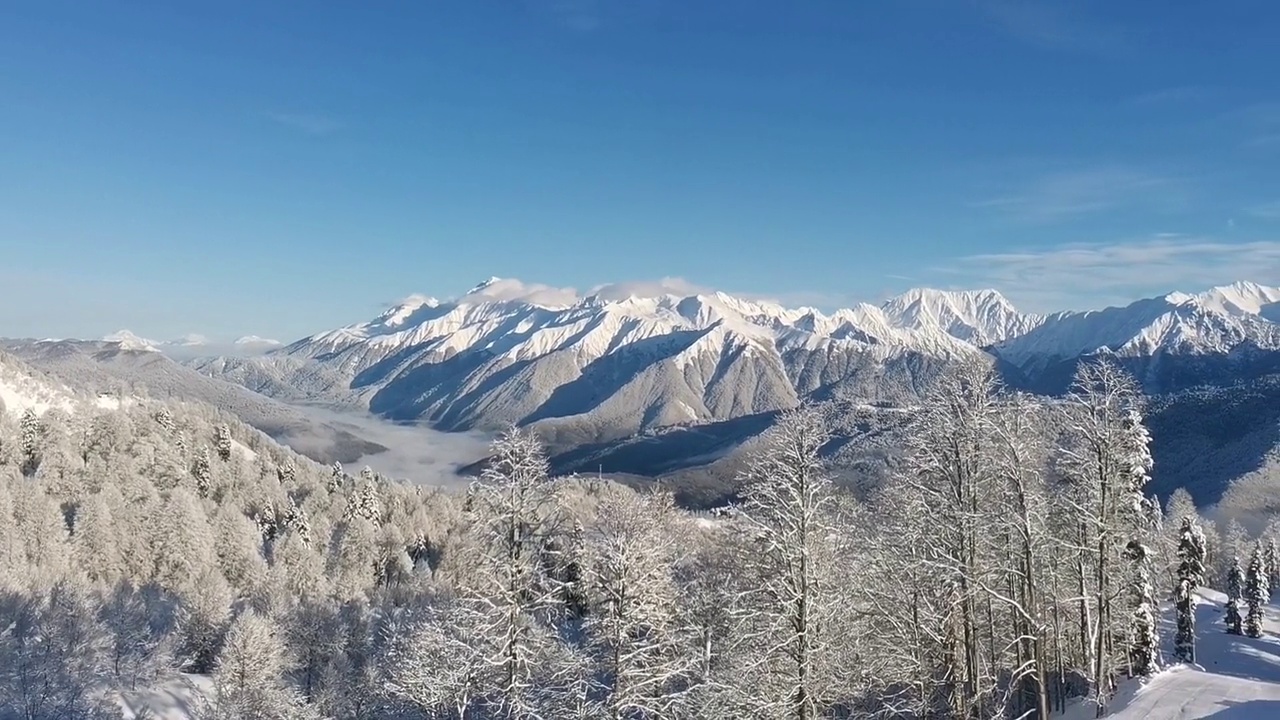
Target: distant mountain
594	368
126	340
980	317
255	341
116	369
1169	343
603	367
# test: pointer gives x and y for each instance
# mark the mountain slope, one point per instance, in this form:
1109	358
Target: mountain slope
1169	343
600	368
589	370
22	388
114	369
981	317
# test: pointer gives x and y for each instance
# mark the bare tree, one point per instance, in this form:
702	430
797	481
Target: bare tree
793	619
633	623
515	517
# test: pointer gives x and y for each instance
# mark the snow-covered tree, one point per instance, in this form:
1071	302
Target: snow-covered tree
1273	564
1235	595
1190	575
364	502
515	516
633	623
140	645
202	472
1106	461
203	615
53	654
1144	647
29	449
248	681
222	442
791	623
182	543
1256	593
439	660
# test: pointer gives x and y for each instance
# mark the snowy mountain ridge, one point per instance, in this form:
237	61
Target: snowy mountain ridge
634	357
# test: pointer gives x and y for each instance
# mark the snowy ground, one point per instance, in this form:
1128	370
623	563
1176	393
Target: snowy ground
1237	678
176	700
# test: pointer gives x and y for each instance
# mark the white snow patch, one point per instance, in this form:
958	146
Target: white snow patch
179	699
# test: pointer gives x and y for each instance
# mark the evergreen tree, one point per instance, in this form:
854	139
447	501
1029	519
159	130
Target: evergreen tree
1235	588
1144	649
29	449
1256	593
1273	565
202	472
222	442
1190	576
364	503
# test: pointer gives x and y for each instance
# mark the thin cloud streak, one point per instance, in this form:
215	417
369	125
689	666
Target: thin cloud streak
318	125
1066	194
1172	95
1054	26
1266	211
1084	276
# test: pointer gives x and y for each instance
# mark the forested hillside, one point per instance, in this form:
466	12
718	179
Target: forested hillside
1007	568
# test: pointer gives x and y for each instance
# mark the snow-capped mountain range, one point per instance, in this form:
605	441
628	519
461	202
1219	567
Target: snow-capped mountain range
610	363
192	344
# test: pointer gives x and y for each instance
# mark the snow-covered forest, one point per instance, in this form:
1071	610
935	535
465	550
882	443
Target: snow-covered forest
1012	566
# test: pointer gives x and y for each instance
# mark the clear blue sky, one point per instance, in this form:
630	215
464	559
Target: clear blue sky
280	168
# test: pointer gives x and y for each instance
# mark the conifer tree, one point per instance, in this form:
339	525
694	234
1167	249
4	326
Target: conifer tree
1235	587
30	429
222	442
1256	593
1144	650
1273	565
1190	576
202	472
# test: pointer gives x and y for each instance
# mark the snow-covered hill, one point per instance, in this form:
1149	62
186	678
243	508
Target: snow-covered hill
22	389
105	370
1235	678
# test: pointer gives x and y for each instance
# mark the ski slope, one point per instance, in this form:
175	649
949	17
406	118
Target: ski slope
1236	678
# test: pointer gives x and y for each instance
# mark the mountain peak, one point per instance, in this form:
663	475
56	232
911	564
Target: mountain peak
482	286
981	317
129	341
1239	298
255	340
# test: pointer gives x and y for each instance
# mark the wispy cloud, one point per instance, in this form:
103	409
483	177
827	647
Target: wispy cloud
578	15
1258	124
1081	276
1266	211
1054	26
307	123
1065	194
1172	95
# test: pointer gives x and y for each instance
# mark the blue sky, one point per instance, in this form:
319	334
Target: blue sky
281	168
